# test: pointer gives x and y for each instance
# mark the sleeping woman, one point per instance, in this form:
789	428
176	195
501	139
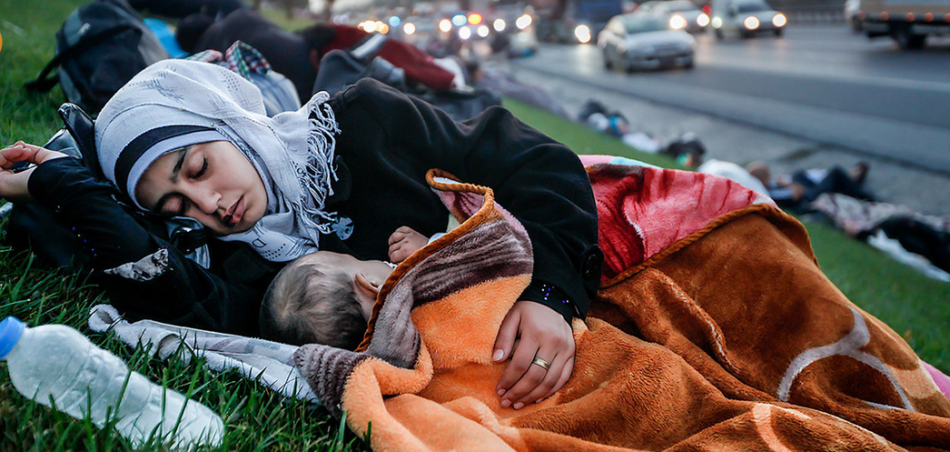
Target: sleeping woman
341	174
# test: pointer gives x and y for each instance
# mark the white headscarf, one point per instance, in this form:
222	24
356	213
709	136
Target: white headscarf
175	103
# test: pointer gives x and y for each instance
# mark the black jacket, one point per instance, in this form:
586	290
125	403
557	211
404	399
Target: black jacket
225	298
387	144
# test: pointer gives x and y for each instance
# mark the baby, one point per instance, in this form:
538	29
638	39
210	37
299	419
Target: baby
327	298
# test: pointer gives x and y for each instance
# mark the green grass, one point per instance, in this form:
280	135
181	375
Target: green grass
279	17
257	419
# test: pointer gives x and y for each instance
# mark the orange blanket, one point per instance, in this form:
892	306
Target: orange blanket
730	338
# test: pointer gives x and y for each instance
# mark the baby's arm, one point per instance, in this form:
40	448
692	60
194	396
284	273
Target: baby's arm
404	242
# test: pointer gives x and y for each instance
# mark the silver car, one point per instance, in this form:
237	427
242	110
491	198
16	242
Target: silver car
644	41
692	19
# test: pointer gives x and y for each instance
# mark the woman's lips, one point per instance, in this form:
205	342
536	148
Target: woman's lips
235	213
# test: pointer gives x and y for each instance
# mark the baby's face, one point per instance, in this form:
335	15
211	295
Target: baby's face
212	182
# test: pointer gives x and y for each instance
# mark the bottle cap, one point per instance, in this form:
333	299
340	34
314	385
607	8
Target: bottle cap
11	328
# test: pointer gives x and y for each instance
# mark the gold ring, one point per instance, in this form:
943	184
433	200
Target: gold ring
542	363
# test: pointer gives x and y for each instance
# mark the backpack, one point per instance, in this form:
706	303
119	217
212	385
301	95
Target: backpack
99	48
342	68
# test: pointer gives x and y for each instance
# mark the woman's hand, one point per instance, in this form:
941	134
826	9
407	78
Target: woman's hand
541	333
404	242
15	186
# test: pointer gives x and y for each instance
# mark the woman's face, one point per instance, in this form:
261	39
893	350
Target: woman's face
212	182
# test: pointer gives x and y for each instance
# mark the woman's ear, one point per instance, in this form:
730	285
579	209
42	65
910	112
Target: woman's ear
366	293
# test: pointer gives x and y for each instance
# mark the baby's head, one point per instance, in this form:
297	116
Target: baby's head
323	298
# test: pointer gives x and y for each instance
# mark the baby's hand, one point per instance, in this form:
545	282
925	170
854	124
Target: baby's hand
404	242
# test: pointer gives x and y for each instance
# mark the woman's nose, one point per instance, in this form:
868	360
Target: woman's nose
206	201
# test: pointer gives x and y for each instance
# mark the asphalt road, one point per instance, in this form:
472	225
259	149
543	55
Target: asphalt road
818	82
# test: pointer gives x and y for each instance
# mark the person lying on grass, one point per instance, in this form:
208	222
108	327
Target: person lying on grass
191	139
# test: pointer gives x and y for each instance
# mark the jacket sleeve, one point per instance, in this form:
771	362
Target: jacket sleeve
538	180
177	290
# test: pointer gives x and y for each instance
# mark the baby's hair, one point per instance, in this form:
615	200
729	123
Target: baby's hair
306	304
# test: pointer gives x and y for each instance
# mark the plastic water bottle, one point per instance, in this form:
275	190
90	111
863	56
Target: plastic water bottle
59	363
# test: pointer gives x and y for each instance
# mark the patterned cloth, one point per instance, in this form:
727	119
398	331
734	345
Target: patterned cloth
278	91
240	58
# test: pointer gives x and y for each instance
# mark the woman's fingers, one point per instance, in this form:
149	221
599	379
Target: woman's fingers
543	334
534	391
20	151
11	154
565	376
507	334
518	369
41	154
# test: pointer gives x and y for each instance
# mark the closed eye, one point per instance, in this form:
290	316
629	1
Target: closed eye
203	170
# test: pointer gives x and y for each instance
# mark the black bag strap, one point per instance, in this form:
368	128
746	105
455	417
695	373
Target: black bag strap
83	130
45	82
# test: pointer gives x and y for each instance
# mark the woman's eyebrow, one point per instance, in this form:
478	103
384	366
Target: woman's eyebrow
176	171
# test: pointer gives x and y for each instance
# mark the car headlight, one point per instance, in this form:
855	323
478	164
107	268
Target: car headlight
465	33
445	25
702	20
499	25
751	23
716	22
582	33
779	20
523	22
677	22
482	31
409	28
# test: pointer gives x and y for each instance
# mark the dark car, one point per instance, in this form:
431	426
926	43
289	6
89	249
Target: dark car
683	14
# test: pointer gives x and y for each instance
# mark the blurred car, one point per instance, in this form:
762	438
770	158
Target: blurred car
692	19
513	27
419	31
645	41
852	14
574	21
746	17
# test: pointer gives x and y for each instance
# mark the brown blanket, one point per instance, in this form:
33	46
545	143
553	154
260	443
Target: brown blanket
729	339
